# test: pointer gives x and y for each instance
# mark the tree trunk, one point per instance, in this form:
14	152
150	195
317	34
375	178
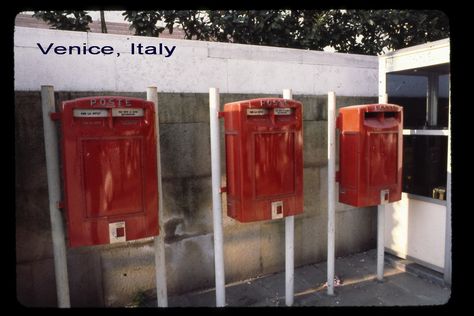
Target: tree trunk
103	26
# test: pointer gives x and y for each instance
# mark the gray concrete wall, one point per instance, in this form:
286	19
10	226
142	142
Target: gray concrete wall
111	275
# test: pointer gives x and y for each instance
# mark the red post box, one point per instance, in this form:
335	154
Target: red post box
109	169
370	154
264	159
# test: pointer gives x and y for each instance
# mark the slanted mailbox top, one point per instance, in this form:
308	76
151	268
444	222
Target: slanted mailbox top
265	102
373	108
106	101
353	118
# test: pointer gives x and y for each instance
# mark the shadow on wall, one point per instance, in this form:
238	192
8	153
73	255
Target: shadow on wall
97	273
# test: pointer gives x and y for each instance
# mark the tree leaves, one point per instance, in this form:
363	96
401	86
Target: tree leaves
144	22
65	20
347	31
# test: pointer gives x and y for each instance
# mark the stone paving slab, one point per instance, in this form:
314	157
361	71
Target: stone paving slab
359	288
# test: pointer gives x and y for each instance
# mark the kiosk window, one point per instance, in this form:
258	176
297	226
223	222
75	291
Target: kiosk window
424	95
424	165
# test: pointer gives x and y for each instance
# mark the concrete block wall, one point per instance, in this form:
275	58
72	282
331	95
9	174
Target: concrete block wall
110	275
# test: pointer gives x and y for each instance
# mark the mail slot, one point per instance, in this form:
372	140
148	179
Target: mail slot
264	159
370	154
109	169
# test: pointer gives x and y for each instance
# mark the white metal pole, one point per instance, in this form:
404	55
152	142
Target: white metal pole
159	243
216	196
448	236
381	222
289	243
380	240
432	99
331	189
54	192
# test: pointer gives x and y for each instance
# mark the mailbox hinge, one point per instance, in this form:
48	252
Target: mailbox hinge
55	116
220	114
223	189
60	204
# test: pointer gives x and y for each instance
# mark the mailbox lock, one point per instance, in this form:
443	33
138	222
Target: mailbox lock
277	209
117	232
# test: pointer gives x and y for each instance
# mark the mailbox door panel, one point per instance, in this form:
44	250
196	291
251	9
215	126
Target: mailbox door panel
274	164
383	159
113	176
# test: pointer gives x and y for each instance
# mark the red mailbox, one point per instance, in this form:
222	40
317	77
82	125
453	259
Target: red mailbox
264	159
370	154
109	169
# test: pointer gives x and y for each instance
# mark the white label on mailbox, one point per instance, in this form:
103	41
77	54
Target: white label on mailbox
384	195
257	111
127	112
282	111
277	209
117	232
89	113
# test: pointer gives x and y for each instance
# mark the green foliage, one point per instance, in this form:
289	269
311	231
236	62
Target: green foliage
284	28
370	31
144	22
65	20
348	31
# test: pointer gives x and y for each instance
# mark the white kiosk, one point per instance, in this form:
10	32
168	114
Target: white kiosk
418	227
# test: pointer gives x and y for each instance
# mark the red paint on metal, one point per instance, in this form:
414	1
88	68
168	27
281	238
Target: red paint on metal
109	168
264	158
55	116
370	154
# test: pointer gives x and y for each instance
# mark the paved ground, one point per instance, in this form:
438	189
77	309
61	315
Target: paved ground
359	287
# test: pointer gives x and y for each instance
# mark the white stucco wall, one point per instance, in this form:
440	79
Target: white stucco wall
416	229
194	66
